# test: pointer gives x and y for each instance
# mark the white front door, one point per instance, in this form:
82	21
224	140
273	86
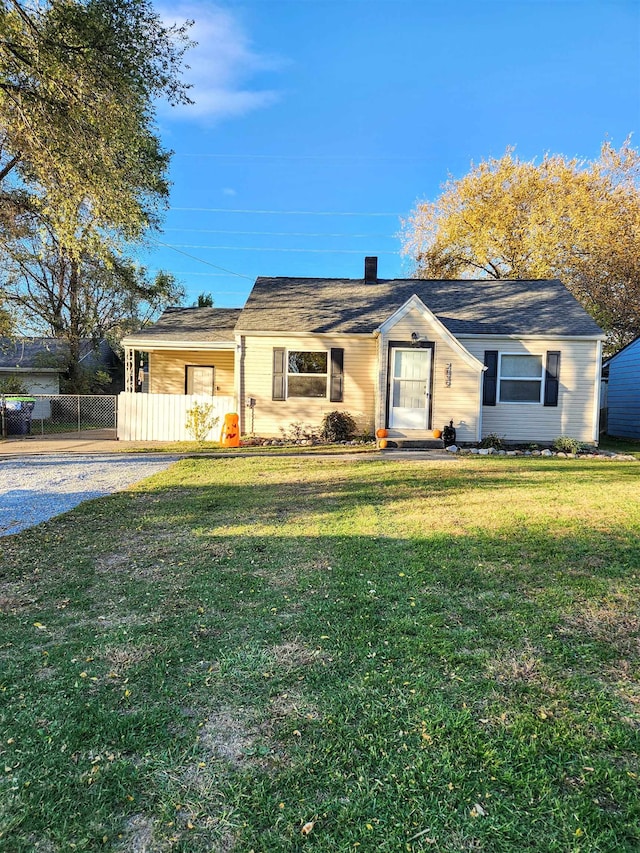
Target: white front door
409	384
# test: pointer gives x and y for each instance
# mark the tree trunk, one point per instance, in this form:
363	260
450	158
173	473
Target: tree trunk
75	326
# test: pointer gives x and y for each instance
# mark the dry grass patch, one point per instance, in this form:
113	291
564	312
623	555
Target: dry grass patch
521	667
12	605
138	836
616	623
120	658
230	734
148	554
295	655
292	705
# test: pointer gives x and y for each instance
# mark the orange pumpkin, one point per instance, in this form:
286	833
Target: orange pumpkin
382	433
382	443
437	433
230	433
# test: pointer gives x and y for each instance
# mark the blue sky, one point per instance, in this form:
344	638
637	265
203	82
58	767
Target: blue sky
318	124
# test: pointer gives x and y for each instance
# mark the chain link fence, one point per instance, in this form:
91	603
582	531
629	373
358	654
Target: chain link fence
58	416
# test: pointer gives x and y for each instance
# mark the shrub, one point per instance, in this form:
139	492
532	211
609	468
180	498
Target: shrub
493	440
297	431
13	385
566	444
200	420
338	426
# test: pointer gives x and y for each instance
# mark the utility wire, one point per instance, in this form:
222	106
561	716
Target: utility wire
284	212
327	158
190	272
274	249
277	233
201	260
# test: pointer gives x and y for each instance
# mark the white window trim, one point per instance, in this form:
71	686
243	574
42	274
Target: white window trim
521	379
326	375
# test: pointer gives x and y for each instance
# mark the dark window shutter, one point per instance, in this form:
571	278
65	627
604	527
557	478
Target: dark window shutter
337	375
552	379
279	373
490	383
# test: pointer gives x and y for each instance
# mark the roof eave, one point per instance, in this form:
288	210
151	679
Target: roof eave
7	369
150	344
531	336
286	333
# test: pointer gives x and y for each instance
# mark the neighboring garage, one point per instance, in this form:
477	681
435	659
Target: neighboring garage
622	374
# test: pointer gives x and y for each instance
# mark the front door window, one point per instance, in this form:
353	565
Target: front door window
200	380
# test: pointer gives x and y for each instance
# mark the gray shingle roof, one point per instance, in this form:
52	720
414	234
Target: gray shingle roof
191	324
32	352
52	353
484	307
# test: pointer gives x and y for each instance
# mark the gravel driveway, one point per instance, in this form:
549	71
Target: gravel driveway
35	489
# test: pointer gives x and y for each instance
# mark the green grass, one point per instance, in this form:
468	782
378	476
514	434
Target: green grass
413	656
208	447
620	445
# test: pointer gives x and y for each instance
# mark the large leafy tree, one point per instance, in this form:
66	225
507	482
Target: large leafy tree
79	80
75	298
82	171
560	218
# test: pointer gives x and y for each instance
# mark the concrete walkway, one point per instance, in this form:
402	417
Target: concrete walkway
72	444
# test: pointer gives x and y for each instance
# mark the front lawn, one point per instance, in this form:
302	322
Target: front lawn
318	654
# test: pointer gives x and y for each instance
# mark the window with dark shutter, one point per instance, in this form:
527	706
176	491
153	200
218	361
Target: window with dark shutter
552	378
279	373
307	373
337	375
490	381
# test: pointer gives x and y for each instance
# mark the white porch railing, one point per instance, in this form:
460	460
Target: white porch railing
162	417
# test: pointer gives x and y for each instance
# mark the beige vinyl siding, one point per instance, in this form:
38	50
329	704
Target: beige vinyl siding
270	416
167	370
574	414
459	401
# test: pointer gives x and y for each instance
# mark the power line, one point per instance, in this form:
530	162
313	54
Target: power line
284	212
189	272
274	249
328	158
277	233
201	260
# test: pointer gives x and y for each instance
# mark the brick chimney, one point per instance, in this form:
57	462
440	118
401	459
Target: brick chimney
370	270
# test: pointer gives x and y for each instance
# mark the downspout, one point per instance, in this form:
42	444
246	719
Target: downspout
596	401
480	378
239	381
377	423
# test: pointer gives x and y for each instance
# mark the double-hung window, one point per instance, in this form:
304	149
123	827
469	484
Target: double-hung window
520	378
306	374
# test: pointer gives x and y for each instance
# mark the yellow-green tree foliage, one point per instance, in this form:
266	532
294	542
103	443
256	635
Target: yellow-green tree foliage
79	81
575	220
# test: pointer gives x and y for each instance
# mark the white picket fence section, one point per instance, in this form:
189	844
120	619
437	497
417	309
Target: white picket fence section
162	417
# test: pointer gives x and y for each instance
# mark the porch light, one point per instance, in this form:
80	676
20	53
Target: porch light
417	338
